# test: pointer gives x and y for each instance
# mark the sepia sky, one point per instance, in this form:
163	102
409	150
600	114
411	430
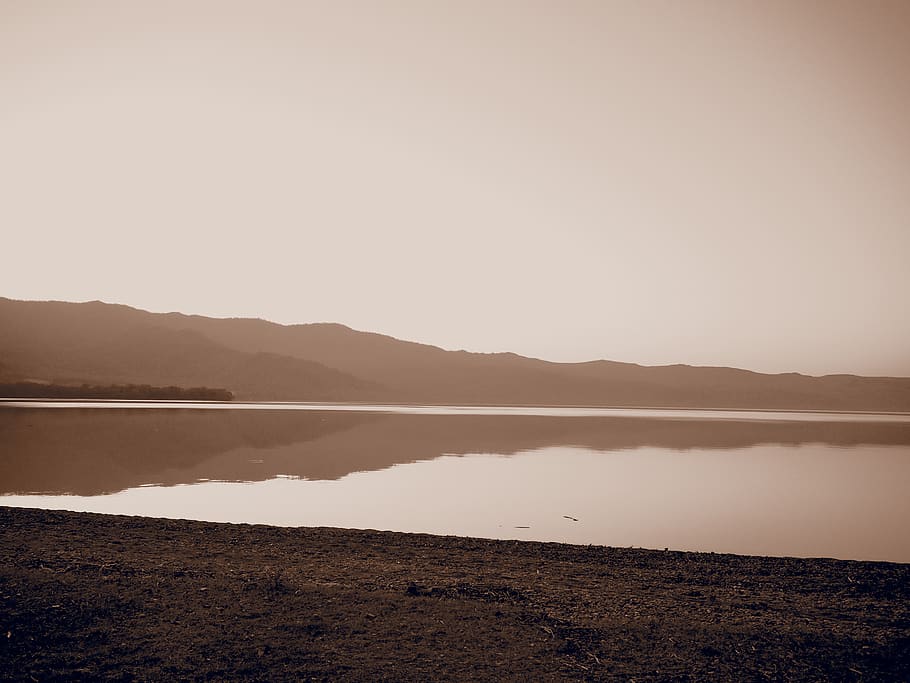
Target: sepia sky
723	183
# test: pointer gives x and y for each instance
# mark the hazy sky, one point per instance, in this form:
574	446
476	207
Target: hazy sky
695	182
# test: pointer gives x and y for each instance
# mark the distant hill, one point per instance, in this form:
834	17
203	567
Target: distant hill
98	343
257	359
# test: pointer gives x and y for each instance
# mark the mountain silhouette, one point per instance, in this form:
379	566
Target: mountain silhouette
99	343
260	360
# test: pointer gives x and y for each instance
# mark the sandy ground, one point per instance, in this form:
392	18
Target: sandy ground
87	597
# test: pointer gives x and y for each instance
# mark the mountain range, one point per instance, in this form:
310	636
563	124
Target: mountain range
100	343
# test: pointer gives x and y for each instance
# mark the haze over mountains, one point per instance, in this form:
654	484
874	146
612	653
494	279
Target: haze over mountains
102	343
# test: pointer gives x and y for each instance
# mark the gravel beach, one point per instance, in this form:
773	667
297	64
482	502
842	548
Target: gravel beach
98	597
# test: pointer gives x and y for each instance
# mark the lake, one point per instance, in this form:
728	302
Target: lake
748	482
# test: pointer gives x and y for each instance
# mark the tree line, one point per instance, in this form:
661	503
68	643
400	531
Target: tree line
113	391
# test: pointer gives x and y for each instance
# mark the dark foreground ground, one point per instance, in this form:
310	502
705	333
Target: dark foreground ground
100	597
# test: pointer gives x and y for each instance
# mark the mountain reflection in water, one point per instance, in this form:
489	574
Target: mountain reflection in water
90	451
830	486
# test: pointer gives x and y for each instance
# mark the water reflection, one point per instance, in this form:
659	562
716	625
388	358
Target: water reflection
89	452
759	487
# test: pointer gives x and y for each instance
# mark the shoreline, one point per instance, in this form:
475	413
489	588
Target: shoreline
86	595
549	410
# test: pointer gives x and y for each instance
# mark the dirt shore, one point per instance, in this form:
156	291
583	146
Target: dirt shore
87	597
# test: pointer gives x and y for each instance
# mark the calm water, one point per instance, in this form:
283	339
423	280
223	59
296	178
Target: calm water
771	483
